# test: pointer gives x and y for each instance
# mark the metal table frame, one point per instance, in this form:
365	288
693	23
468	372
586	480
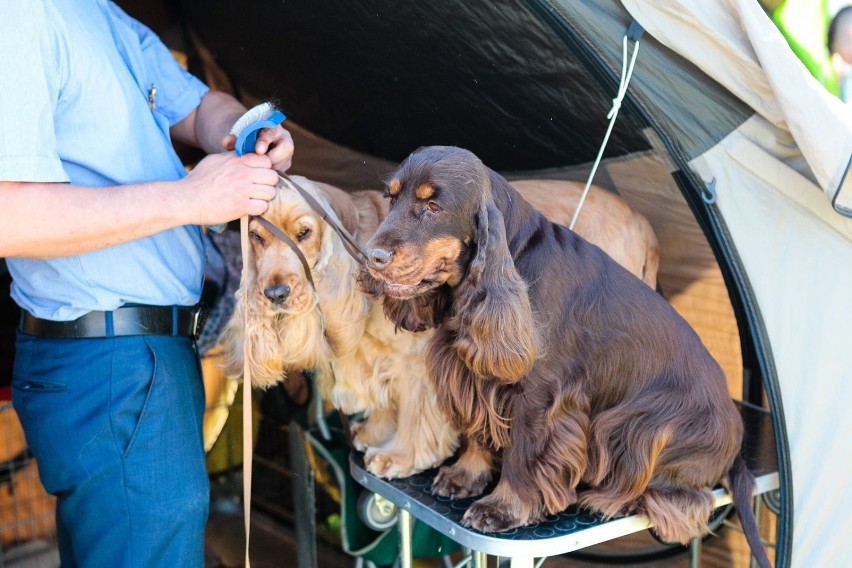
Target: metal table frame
566	532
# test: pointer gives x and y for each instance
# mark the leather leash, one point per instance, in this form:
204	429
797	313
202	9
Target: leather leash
348	242
282	236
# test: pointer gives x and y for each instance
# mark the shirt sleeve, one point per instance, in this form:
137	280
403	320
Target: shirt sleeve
178	91
32	64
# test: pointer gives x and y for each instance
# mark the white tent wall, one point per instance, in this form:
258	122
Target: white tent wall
796	250
735	43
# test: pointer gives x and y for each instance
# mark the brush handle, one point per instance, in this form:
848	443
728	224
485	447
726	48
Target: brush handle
247	139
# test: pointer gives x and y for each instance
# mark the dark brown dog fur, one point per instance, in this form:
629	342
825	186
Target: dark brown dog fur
556	364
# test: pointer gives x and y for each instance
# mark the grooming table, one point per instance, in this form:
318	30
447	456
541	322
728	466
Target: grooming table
566	532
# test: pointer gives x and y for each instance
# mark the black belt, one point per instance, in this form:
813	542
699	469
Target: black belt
126	320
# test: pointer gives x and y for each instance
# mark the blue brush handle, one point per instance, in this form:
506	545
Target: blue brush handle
247	139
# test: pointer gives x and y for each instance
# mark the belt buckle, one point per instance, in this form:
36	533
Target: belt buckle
199	318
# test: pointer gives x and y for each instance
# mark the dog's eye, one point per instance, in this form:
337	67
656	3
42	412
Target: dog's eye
255	237
303	234
433	207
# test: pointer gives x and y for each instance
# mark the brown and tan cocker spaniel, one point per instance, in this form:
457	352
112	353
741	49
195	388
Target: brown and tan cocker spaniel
559	367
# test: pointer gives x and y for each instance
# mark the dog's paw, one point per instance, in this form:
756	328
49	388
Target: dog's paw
388	465
359	441
485	517
458	483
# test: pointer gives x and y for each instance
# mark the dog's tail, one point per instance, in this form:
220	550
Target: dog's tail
742	491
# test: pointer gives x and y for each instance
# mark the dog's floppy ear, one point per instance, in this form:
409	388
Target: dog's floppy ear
265	369
491	308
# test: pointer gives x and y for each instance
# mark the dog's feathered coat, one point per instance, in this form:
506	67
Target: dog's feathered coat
552	360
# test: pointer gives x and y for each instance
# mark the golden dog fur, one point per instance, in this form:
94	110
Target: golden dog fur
605	220
364	363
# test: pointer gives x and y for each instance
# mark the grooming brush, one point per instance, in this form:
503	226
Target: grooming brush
251	123
246	129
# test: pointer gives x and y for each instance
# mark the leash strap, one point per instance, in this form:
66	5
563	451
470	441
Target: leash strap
348	241
282	236
248	449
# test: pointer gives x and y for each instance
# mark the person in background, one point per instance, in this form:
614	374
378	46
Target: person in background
803	24
101	228
839	43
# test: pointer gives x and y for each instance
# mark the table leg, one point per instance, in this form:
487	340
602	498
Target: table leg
404	528
695	553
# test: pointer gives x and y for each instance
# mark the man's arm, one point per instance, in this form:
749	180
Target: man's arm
208	127
42	220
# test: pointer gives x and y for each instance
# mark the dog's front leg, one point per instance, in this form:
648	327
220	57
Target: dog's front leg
542	466
375	430
424	437
468	476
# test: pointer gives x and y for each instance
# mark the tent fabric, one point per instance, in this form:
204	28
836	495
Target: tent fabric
384	78
693	111
797	253
735	43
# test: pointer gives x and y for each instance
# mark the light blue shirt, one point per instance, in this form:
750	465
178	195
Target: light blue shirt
75	77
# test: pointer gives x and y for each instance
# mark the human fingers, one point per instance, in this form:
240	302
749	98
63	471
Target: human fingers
261	192
277	143
259	198
270	137
253	160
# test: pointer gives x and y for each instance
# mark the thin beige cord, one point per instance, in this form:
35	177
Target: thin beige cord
626	74
247	408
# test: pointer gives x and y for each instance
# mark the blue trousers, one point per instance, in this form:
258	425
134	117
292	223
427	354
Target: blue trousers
115	425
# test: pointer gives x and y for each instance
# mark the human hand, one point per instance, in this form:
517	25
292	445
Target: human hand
277	143
224	187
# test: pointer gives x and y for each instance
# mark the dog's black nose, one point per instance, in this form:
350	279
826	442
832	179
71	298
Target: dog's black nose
379	258
277	294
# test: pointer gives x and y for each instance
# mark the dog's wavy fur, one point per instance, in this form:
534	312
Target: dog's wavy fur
555	363
363	363
605	220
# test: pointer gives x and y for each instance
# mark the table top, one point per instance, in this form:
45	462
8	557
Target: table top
570	530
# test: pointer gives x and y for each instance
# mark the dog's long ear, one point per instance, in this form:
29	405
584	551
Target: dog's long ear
264	367
491	308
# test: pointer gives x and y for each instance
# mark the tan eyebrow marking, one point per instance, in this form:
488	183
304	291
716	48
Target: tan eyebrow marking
425	191
394	186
